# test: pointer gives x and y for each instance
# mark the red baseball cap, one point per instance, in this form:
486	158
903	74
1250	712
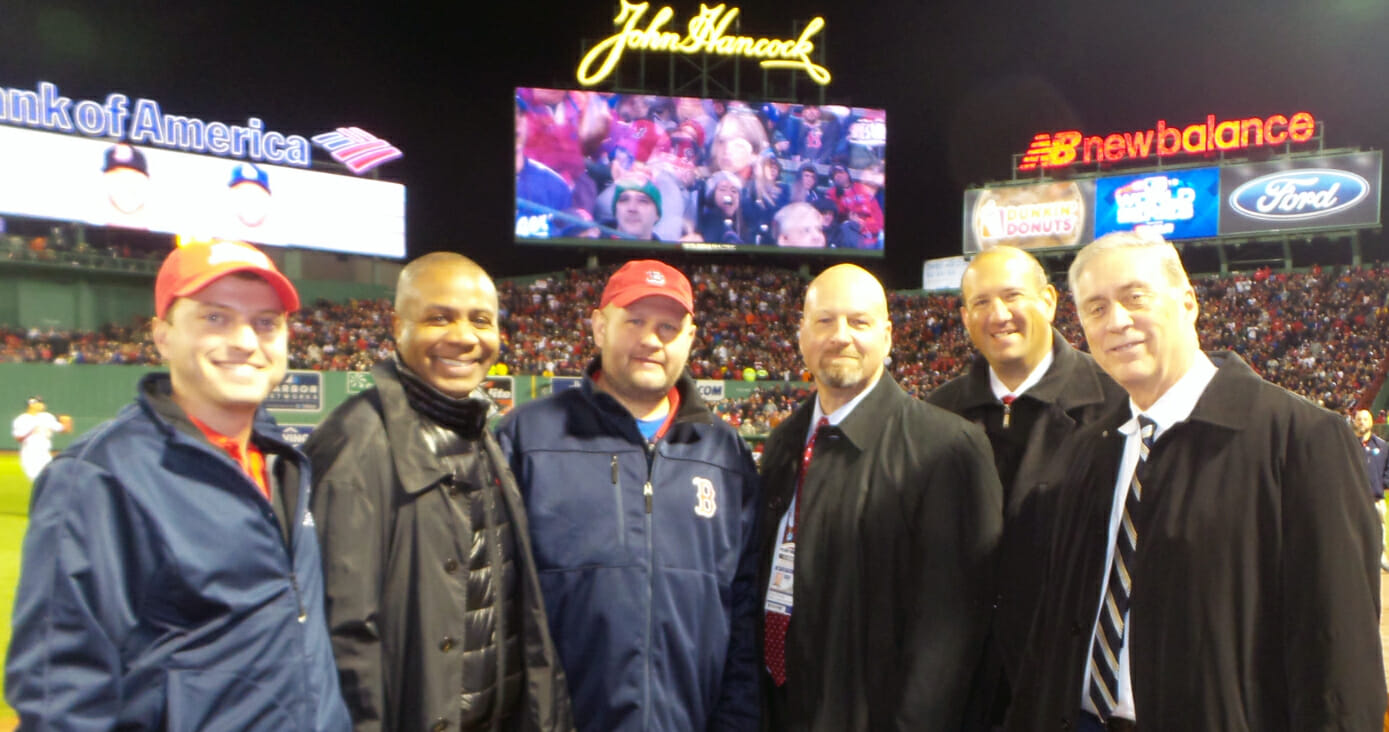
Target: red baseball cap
191	267
644	278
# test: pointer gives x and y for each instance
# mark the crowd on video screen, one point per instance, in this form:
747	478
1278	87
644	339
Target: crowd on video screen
637	167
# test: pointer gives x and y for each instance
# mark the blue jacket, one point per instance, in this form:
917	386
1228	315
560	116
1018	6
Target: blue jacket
647	559
159	590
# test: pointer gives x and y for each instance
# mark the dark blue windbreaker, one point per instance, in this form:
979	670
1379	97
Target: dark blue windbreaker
158	590
652	604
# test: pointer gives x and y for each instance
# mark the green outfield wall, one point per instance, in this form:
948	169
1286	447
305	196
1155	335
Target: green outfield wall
91	394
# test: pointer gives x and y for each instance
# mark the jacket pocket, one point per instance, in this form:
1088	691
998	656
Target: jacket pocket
582	509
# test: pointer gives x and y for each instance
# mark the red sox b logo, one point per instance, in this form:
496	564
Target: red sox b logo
704	491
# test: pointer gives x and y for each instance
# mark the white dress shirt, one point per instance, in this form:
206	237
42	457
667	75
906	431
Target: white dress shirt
1173	406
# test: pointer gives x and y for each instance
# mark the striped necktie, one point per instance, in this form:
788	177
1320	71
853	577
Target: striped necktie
1109	633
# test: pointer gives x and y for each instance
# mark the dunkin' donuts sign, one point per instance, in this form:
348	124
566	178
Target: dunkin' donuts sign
1035	216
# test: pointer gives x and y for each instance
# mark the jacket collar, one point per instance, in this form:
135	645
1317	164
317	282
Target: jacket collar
416	466
1225	402
155	395
692	407
864	424
1066	384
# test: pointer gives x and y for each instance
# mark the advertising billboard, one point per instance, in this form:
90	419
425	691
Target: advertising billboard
1052	215
943	274
603	170
1178	204
1302	193
108	183
1211	136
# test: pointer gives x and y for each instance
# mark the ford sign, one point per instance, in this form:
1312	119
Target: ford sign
1296	195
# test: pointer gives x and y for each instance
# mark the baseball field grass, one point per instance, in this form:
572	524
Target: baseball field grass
14	516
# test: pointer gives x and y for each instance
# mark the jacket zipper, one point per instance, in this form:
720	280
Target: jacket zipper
287	541
650	583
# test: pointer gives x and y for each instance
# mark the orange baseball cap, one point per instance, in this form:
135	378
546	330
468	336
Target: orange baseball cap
192	267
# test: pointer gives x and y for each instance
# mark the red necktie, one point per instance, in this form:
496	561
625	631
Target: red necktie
775	647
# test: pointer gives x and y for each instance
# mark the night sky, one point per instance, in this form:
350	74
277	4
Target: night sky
965	84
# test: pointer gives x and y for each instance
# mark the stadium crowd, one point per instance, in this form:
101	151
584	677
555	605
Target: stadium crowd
1317	333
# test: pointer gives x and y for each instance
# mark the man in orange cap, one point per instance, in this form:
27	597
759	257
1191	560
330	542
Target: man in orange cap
170	574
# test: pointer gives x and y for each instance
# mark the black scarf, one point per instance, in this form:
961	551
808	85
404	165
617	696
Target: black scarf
466	416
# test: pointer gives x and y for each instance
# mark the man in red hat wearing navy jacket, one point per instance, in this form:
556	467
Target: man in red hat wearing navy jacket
170	574
642	509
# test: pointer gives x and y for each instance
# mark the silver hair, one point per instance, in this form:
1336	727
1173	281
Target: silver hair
1171	263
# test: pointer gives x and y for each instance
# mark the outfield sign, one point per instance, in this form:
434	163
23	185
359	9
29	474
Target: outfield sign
711	389
1307	192
296	434
301	391
1068	147
1303	193
1032	216
1178	204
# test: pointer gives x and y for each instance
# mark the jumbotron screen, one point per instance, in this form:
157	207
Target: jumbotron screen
598	169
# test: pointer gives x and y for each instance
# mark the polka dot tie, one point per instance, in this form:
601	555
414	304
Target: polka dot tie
777	623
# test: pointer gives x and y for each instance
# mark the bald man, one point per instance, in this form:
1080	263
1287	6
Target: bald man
433	599
879	535
1029	390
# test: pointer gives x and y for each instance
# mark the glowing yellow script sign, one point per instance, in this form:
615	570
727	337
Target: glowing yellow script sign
706	35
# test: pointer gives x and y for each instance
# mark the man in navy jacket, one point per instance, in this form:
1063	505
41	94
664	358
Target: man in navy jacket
170	573
643	508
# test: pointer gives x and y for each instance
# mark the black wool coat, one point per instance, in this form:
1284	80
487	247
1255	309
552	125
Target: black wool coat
1255	602
901	512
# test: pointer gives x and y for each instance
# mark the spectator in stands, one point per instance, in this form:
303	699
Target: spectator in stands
633	130
739	140
798	225
563	130
1377	466
858	209
763	197
818	135
723	220
540	191
803	190
637	206
1321	335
